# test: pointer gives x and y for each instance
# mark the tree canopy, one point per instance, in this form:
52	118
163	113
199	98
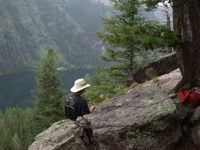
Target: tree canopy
49	103
186	15
129	35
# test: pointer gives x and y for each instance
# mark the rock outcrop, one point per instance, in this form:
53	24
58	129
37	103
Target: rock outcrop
66	135
143	119
156	68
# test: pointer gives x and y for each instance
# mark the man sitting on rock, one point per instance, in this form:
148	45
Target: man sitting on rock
75	105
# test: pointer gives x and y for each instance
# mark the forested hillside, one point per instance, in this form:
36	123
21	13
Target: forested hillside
29	27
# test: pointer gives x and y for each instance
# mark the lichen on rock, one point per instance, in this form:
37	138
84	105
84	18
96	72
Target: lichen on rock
145	118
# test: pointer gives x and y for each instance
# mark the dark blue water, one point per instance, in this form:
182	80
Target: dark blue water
17	89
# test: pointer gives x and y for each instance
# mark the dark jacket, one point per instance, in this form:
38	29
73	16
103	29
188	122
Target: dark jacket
75	106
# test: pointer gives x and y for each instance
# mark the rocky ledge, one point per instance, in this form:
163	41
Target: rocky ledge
143	119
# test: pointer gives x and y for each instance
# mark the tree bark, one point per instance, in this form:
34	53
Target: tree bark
187	22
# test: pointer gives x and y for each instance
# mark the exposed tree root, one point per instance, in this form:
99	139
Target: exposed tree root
185	85
182	85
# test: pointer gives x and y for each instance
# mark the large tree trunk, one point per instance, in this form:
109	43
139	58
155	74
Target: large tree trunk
187	21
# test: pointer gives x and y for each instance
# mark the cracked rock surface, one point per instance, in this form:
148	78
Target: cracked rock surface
141	119
145	118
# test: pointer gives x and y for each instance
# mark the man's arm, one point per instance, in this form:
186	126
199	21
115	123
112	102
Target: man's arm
83	108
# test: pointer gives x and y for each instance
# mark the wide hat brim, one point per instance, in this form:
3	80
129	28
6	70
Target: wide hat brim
74	89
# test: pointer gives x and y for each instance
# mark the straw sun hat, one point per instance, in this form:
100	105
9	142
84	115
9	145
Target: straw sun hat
79	85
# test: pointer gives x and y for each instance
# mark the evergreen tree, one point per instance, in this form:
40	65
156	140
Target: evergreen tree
186	22
103	87
49	103
15	128
128	36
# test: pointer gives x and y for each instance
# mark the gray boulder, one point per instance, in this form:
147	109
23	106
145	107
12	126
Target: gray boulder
196	135
196	115
195	129
66	135
142	119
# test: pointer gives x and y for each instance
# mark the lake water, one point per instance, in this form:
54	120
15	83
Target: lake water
17	88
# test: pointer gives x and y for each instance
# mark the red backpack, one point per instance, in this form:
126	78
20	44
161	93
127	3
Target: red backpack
191	97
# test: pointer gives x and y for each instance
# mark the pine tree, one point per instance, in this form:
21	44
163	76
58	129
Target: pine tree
103	87
49	103
128	36
186	22
6	142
